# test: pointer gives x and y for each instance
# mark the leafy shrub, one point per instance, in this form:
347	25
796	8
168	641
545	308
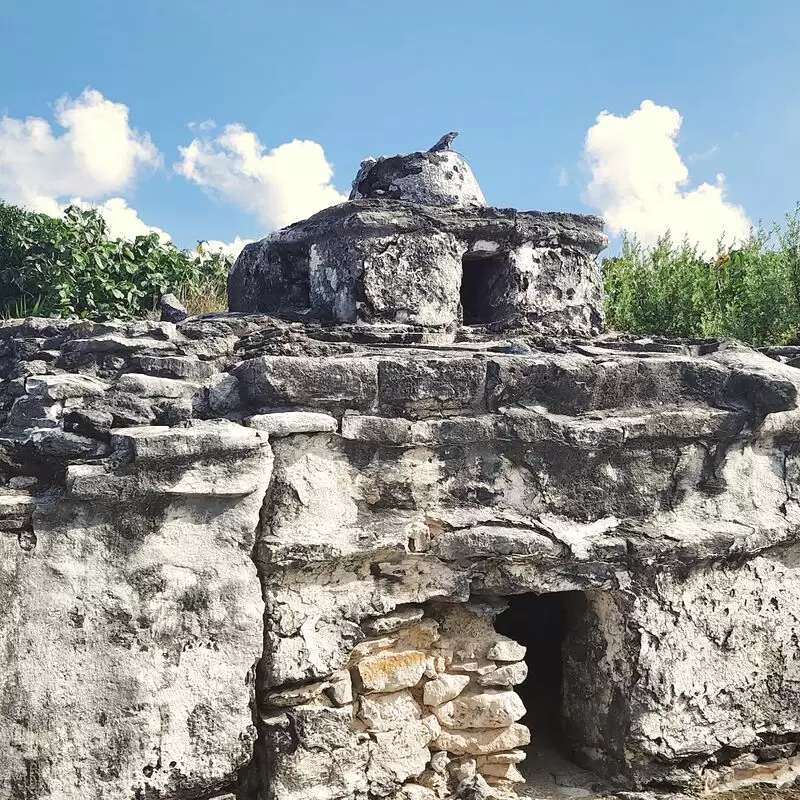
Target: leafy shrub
751	293
70	266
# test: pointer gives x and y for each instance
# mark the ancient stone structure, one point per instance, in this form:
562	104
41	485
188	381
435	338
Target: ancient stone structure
338	552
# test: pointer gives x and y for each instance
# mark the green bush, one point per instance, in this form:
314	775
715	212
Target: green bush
751	293
71	267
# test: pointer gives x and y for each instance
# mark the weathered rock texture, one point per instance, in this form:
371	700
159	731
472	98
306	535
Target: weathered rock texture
261	558
393	495
428	268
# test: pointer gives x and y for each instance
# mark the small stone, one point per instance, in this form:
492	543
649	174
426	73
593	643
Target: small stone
389	623
60	387
150	386
386	712
420	636
57	443
506	650
340	690
223	393
507	772
439	762
22	482
300	695
481	667
27	540
391	671
172	310
285	423
507	675
475	788
462	768
444	688
413	791
487	709
510	757
476	742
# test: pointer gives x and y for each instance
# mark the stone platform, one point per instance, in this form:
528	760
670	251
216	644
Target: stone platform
350	513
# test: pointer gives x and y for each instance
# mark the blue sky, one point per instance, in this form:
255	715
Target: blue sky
523	81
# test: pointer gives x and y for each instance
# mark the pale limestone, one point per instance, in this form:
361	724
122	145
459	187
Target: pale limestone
476	742
391	671
490	708
444	688
386	712
507	675
506	650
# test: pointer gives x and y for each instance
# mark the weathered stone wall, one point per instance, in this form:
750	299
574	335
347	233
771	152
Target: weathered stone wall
386	499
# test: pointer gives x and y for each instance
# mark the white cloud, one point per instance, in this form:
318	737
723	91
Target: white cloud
95	155
231	249
122	220
279	186
640	183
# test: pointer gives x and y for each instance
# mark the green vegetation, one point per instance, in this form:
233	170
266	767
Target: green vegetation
751	293
71	267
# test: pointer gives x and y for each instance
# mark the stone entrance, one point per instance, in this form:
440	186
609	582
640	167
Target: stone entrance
486	285
539	622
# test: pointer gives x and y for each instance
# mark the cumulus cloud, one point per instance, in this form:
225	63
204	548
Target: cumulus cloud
96	154
640	183
278	186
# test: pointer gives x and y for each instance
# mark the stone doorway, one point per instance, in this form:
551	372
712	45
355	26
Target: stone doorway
550	626
485	287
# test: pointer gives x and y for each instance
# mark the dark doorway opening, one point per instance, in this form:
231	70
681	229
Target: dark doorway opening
486	290
540	622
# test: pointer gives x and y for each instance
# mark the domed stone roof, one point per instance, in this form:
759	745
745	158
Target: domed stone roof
441	178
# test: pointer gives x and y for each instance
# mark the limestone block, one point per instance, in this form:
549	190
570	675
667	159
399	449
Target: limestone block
285	423
60	387
444	688
340	690
393	621
397	755
510	757
419	387
506	650
507	772
391	671
386	712
490	708
201	439
223	392
476	742
300	695
152	386
506	675
386	430
316	382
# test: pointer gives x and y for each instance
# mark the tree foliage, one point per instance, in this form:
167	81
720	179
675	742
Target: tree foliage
751	293
70	266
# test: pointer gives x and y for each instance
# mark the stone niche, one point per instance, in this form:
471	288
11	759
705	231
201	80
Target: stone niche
283	557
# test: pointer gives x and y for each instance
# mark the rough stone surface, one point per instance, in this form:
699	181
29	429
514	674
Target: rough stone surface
432	179
267	556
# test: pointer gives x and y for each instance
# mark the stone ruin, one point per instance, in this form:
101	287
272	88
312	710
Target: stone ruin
403	518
